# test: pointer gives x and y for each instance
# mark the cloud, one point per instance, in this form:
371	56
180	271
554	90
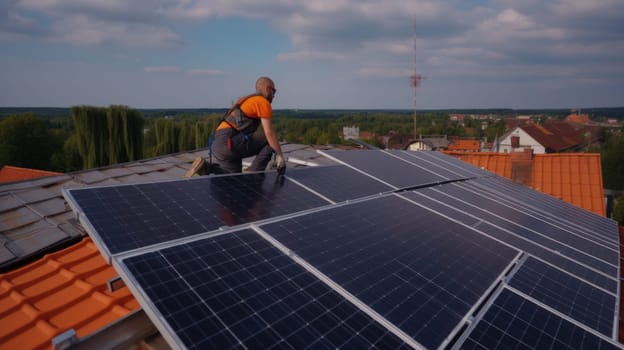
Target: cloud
383	72
14	25
489	40
176	70
202	71
162	69
300	56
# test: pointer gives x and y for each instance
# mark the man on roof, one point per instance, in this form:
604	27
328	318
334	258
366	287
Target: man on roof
238	137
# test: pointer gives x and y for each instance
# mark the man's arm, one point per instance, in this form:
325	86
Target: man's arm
271	136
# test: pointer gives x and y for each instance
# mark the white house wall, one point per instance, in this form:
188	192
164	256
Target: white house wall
525	141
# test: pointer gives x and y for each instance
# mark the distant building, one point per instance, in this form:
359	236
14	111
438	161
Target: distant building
551	137
518	139
350	132
578	118
428	143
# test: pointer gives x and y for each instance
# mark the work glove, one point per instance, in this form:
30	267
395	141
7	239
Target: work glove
281	165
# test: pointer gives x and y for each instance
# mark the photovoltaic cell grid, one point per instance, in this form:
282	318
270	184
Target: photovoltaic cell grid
588	233
421	271
237	291
338	183
392	170
541	205
514	322
133	216
508	226
567	294
442	164
544	231
418	270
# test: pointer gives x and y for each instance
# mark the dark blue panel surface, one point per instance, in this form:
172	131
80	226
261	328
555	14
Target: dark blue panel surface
513	322
132	216
390	169
566	294
479	221
419	270
595	227
541	230
237	291
338	183
441	164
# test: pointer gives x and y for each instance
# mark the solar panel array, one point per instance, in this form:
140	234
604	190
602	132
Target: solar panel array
391	249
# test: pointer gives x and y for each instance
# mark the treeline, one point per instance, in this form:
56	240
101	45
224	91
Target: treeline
100	136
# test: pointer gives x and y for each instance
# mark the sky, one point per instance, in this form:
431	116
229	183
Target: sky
322	54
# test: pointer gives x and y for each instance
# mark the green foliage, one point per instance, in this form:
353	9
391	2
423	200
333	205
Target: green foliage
25	141
68	159
169	135
612	157
107	135
618	210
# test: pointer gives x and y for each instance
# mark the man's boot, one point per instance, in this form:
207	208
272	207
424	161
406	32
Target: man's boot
198	168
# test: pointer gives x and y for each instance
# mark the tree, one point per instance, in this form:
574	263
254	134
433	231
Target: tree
25	141
167	133
108	135
612	156
618	210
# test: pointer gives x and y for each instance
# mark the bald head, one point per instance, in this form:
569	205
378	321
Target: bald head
266	88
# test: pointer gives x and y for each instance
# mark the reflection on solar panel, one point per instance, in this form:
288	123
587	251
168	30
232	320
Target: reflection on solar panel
338	183
392	249
441	164
133	216
514	322
392	170
556	210
238	291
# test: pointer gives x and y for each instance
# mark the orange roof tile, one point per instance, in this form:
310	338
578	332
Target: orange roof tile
573	177
64	290
10	173
464	145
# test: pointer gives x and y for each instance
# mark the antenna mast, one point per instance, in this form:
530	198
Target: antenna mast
415	79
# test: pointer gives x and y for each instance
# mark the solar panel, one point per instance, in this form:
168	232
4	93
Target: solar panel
513	322
237	291
539	230
447	166
128	217
539	204
576	259
353	256
567	294
377	164
420	271
338	183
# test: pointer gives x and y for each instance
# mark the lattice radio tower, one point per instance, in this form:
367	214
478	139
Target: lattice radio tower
415	80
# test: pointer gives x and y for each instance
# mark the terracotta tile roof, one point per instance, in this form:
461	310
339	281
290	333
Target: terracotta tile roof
10	173
464	145
64	290
573	177
558	136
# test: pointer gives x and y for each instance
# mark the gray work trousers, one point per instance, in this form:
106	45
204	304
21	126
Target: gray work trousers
229	147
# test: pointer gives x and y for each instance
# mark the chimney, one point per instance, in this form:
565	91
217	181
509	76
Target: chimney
522	166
